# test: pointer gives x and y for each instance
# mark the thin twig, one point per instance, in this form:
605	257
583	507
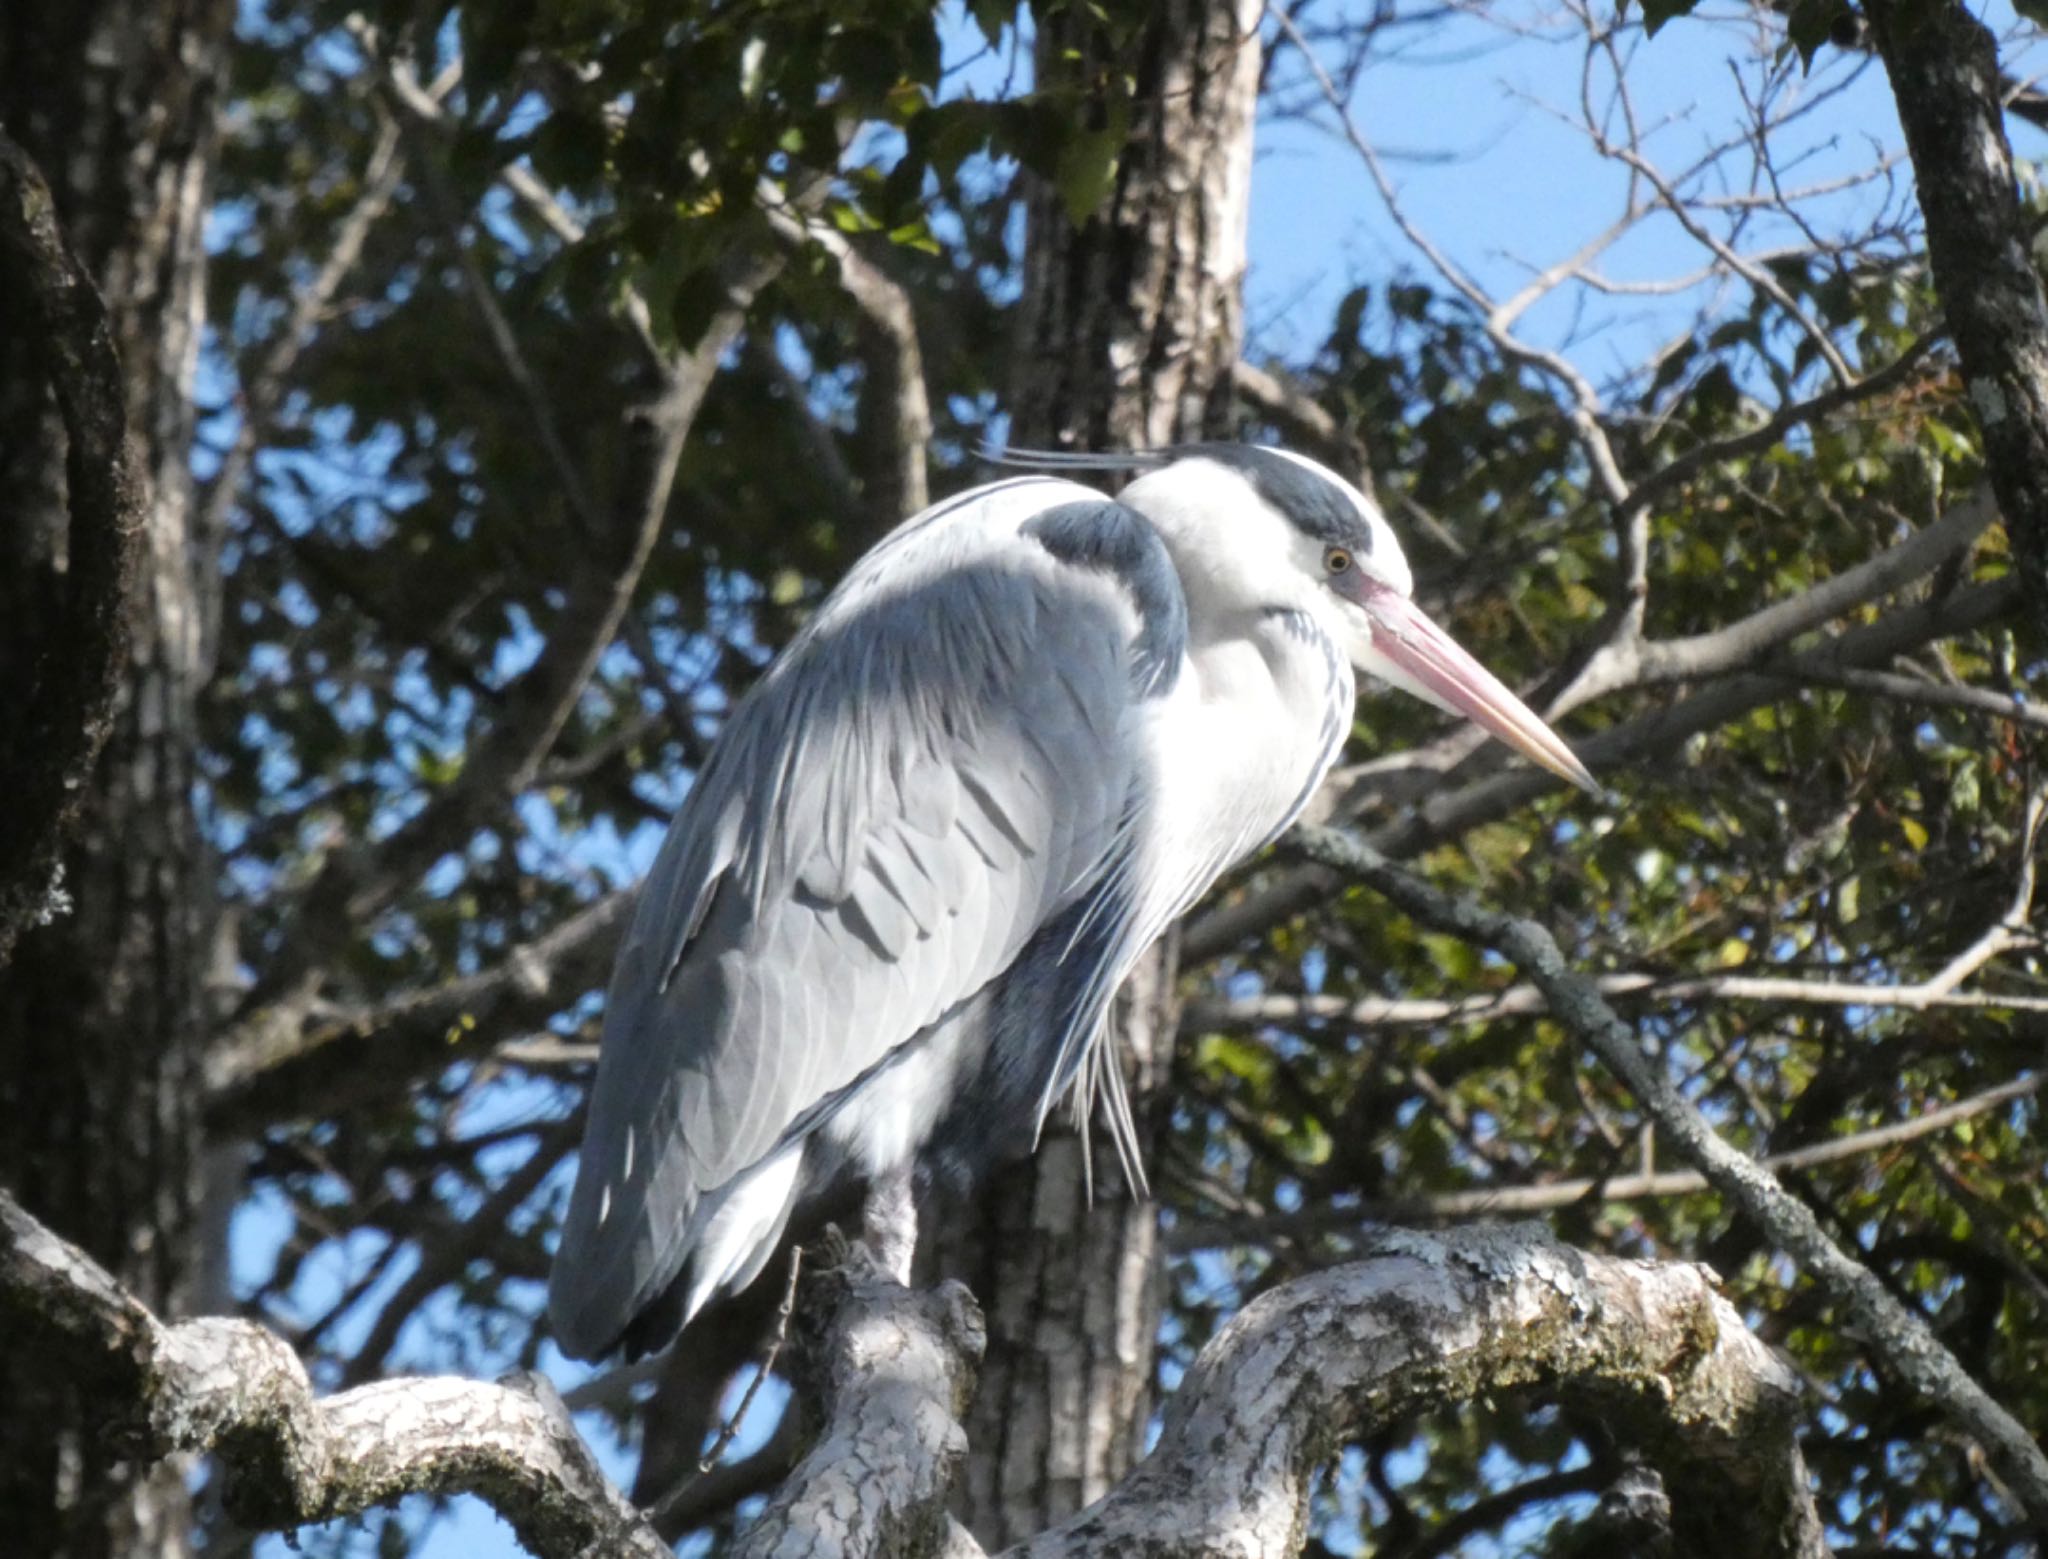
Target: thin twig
1517	1200
730	1429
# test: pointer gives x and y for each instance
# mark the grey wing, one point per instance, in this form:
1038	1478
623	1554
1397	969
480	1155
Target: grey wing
939	768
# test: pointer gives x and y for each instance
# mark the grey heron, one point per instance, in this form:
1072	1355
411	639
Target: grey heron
1026	732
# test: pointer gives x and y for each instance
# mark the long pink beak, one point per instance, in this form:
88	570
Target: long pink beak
1437	669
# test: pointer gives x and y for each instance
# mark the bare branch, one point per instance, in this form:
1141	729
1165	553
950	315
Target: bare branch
1514	1200
1661	731
1632	662
1429	1320
234	1389
1583	412
1897	1338
261	1074
263	388
710	1495
895	407
1330	1355
1367	1012
1749	268
61	719
1308	426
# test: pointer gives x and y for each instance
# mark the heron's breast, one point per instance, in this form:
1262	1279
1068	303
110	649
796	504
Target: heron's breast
1239	751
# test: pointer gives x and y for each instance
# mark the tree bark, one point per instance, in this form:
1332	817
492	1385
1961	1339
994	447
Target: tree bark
239	1391
63	705
102	1010
1426	1320
1943	65
1421	1321
1132	321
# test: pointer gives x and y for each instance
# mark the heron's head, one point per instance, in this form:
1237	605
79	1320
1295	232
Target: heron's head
1255	528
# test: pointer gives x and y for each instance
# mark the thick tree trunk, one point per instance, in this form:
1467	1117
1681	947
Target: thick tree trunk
102	1009
1943	65
1132	322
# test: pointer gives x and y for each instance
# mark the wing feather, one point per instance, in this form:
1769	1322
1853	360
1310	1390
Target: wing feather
916	788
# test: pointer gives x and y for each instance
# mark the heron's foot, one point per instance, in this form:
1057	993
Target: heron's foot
829	1249
889	1225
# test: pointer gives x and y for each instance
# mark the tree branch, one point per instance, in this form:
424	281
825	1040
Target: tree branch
358	883
1508	1200
232	1388
1430	1320
1748	267
897	1371
1745	641
1897	1338
2014	706
67	708
1627	661
1496	319
1421	1321
1364	1012
263	387
261	1075
1305	421
1661	731
444	1260
421	105
896	413
1909	364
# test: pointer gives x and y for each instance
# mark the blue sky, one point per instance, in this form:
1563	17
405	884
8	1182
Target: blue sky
1474	122
1480	134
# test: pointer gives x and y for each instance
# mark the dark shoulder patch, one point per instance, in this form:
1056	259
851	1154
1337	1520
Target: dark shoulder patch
1311	502
1105	535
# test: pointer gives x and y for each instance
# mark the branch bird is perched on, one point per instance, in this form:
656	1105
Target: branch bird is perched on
1027	732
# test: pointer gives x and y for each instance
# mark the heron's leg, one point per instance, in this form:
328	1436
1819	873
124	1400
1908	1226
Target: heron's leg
889	1224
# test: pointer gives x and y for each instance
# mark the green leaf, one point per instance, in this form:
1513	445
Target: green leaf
991	16
915	235
1456	958
1241	1057
1657	12
1087	168
1811	23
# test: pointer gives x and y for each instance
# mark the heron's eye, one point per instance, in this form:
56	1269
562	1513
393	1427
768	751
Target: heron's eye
1337	561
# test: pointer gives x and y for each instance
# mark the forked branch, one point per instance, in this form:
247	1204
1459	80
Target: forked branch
1429	1320
1421	1321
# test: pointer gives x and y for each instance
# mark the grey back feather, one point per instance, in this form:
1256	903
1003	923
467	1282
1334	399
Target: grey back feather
939	766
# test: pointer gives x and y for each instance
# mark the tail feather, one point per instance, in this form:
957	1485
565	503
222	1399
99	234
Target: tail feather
732	1233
